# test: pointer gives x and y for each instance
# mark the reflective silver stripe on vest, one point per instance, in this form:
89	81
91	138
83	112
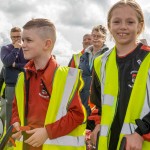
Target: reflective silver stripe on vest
102	73
71	78
64	141
103	130
21	139
67	141
128	128
107	100
146	105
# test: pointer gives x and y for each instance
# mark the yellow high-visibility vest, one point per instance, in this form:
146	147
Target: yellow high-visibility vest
65	83
106	69
3	88
76	58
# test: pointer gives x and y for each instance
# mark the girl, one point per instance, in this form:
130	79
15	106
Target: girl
121	82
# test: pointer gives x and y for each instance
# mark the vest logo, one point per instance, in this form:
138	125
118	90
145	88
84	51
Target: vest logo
139	62
43	92
133	77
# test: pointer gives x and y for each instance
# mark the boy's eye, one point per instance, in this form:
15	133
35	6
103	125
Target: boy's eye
29	40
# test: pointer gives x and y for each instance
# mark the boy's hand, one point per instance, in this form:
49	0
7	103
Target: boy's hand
38	138
134	141
17	135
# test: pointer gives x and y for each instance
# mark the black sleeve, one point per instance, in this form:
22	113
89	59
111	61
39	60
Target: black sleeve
143	125
147	118
95	96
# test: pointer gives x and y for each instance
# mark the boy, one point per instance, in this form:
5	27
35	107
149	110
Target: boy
53	108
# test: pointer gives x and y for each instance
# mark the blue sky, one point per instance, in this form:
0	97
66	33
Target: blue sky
72	18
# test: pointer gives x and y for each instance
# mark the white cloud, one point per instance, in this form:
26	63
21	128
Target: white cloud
62	50
73	18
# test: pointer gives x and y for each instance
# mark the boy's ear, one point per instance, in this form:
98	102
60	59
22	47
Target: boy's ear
48	44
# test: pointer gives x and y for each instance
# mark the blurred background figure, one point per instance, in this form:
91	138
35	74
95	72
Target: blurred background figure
97	48
13	62
87	41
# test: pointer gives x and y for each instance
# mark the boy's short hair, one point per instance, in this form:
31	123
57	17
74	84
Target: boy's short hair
46	28
15	29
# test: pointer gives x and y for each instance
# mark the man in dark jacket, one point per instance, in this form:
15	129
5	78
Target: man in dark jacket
13	61
75	60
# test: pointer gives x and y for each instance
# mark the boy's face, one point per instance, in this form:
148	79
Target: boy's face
33	44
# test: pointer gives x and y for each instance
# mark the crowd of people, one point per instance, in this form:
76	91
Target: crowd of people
100	98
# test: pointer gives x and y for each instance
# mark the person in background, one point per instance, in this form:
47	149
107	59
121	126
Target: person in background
97	48
87	41
121	83
52	105
13	62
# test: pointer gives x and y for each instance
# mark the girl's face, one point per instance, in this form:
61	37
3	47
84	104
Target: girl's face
124	25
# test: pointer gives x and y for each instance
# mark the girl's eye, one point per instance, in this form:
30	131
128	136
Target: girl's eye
130	22
115	22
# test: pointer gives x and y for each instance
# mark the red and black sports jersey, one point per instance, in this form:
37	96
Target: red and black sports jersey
128	67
